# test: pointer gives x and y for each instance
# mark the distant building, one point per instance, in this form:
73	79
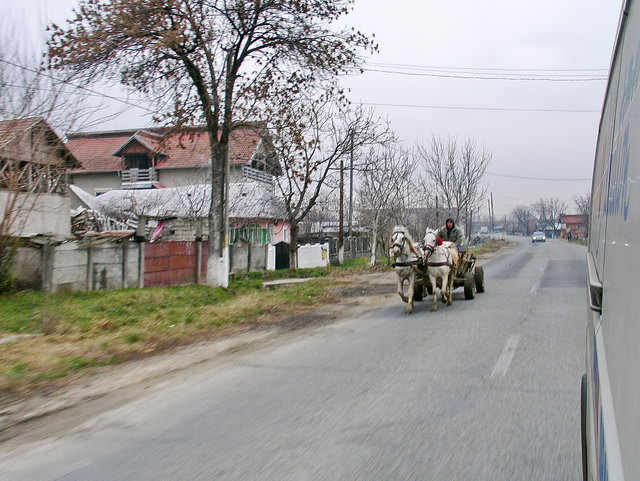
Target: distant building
574	223
34	167
156	157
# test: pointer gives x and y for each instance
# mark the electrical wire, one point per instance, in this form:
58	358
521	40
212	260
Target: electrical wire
538	178
478	77
82	87
431	67
466	72
497	109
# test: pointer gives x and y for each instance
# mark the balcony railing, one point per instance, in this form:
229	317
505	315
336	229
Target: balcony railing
130	176
257	175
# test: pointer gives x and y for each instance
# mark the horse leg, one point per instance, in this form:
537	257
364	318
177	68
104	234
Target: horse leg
445	291
434	286
450	277
412	280
400	288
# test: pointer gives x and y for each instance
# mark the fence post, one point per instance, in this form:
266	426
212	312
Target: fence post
140	265
198	260
47	258
140	238
249	257
125	262
89	286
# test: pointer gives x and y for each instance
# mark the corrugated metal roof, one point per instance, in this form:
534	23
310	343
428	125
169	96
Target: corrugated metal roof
248	200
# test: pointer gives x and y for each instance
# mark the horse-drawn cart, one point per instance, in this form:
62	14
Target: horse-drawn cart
434	267
467	275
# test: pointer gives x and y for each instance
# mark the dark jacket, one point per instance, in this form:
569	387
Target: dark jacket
451	235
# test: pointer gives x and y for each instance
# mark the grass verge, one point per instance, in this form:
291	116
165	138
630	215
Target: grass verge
75	332
492	245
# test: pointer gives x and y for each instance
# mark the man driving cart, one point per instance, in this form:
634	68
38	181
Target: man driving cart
450	232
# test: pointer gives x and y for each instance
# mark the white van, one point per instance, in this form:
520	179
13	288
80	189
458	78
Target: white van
611	385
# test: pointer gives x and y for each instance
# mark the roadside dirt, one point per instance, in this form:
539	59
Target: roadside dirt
356	294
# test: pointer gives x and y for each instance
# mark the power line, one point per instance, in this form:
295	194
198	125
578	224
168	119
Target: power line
478	77
497	109
82	87
537	178
429	67
484	72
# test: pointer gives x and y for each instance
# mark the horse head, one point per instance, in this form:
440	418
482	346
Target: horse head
401	243
430	241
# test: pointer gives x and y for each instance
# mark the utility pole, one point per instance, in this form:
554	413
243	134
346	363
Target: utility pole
437	216
341	221
492	212
489	211
351	198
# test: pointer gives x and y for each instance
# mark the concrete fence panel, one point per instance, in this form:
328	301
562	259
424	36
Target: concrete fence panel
313	255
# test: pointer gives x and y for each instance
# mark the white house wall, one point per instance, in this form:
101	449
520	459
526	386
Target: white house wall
40	214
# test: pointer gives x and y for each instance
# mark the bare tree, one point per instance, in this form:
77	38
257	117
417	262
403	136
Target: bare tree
453	172
383	191
583	205
522	216
29	94
212	62
548	212
27	89
312	141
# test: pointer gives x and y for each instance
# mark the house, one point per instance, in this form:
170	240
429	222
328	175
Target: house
158	157
574	223
34	167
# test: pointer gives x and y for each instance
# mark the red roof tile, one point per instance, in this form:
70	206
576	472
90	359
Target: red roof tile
95	150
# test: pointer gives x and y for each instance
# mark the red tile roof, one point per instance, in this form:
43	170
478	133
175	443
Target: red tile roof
95	150
573	219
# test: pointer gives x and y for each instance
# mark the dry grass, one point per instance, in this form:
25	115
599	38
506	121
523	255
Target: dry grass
492	245
73	334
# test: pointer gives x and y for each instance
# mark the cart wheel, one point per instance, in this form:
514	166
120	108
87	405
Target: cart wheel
418	292
478	276
469	286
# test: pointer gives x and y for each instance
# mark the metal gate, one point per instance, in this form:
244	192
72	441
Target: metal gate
282	255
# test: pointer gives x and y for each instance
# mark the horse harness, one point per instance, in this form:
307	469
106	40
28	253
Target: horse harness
446	263
401	246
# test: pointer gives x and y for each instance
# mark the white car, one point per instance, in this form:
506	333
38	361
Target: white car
538	237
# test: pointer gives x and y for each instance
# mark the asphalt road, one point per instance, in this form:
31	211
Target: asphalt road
484	390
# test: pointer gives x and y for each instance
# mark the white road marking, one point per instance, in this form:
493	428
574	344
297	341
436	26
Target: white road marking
536	284
504	361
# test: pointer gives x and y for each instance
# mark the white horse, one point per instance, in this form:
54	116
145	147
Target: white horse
441	261
405	255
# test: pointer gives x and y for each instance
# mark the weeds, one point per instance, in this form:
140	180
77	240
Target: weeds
80	331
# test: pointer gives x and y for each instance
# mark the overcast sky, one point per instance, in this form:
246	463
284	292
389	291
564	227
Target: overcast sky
543	39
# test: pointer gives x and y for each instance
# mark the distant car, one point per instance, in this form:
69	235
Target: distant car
538	237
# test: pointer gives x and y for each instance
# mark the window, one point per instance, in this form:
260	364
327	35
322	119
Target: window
251	234
137	161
